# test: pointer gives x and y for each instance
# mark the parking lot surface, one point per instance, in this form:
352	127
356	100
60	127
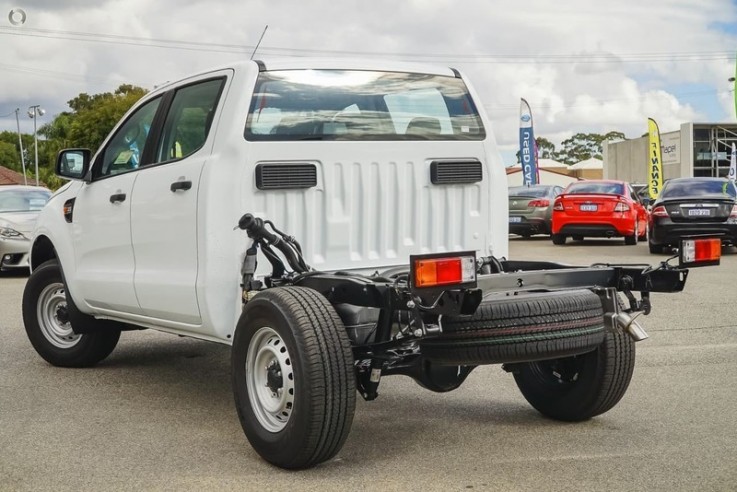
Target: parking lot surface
158	414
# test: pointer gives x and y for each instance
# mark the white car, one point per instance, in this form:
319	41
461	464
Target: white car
19	209
371	234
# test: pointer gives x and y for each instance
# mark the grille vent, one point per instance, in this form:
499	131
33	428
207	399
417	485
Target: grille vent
285	176
455	172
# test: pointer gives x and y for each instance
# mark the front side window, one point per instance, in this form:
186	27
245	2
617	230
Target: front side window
291	105
123	152
188	120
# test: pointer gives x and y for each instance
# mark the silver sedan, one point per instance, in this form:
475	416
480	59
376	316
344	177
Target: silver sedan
19	208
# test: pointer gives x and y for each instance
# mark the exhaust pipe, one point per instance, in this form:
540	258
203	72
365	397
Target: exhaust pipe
628	324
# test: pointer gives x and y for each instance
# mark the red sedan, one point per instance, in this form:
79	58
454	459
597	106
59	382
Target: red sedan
599	208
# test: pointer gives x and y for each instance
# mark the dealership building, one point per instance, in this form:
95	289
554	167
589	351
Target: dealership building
697	149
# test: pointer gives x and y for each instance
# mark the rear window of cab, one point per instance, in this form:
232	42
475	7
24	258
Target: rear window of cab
290	105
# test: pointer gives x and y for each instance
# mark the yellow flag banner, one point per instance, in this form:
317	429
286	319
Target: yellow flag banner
654	162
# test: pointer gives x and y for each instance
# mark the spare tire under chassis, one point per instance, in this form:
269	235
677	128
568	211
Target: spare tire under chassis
520	328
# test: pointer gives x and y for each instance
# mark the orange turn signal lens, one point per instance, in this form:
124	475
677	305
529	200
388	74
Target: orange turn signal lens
432	272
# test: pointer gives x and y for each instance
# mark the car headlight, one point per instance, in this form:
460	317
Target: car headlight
7	232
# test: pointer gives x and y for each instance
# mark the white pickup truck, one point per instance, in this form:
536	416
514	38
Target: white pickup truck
388	180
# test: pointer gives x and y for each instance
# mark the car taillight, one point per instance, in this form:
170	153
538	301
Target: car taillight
539	203
733	213
558	206
621	207
659	211
700	252
443	271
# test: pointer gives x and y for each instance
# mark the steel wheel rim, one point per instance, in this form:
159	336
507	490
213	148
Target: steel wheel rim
558	372
270	380
58	332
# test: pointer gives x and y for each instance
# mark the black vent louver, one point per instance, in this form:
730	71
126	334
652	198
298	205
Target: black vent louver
285	176
456	171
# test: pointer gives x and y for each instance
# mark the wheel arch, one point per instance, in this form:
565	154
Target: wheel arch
42	251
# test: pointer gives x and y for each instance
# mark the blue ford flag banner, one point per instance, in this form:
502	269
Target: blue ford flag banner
527	146
733	164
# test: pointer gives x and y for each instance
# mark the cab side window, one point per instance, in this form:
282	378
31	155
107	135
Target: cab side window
188	121
123	152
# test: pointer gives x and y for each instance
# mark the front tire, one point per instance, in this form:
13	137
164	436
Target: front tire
293	377
577	388
47	316
558	239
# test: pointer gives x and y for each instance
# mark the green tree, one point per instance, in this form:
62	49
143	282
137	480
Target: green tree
545	148
9	156
87	124
582	146
91	118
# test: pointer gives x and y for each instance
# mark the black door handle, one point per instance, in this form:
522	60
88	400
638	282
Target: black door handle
117	197
180	185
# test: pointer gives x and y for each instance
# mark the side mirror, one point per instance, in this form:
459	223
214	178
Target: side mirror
73	163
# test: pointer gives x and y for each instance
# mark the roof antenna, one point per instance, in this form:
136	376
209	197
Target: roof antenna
259	41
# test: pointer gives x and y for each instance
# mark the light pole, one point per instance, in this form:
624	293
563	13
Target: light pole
20	143
34	112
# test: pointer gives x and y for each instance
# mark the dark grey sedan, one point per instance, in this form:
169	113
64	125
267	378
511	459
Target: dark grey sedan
693	206
530	208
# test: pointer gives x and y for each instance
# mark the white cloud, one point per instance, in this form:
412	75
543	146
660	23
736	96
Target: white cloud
568	89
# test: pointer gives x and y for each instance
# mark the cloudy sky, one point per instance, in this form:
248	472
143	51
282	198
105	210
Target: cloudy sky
584	66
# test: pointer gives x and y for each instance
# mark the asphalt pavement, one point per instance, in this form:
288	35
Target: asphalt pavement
158	414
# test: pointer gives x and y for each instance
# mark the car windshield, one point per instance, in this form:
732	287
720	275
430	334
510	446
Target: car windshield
692	188
533	191
290	105
597	188
23	200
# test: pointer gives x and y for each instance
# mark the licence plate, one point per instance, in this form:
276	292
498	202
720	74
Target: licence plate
699	212
588	207
515	219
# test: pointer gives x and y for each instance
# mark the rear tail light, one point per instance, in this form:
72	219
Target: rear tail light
700	252
443	271
539	203
621	207
558	206
659	211
733	213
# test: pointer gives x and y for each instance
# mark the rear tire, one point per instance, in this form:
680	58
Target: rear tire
655	249
49	314
558	239
577	388
632	240
293	377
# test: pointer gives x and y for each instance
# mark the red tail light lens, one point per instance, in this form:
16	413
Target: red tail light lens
558	206
621	207
539	203
700	252
659	211
433	272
